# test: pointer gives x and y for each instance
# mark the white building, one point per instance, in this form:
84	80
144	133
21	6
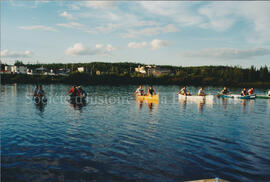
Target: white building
140	69
80	69
8	69
16	69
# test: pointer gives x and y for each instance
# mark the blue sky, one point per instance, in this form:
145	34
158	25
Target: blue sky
153	32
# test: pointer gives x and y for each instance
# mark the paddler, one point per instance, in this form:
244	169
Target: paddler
225	91
36	91
139	91
201	92
72	91
184	91
251	91
41	92
244	92
269	93
81	92
151	91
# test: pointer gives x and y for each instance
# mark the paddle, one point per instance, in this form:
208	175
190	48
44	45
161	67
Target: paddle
219	94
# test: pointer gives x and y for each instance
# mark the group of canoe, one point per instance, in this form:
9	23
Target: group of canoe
245	94
76	93
184	93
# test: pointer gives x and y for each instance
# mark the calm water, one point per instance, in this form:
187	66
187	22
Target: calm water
114	138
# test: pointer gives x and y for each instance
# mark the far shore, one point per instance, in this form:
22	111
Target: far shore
87	79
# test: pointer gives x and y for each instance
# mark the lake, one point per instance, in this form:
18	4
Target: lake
113	137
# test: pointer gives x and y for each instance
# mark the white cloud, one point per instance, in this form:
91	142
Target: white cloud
103	29
223	15
137	44
38	27
80	49
154	44
74	25
176	11
228	53
150	31
220	16
15	54
101	4
67	15
74	6
157	44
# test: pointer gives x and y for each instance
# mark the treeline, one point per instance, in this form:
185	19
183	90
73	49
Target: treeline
124	73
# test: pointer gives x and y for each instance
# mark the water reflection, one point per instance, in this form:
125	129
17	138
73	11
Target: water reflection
78	104
200	102
224	103
135	141
40	104
151	105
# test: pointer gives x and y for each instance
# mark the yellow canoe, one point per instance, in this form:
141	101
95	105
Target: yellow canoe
148	98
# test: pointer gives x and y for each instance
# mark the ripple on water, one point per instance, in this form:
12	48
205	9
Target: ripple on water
169	141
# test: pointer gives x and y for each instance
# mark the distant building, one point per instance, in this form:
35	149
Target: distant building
80	69
41	71
97	72
51	72
140	69
62	72
158	71
8	69
30	72
16	69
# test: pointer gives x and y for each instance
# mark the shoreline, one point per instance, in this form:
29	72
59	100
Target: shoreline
86	79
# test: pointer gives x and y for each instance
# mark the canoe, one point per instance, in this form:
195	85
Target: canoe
234	96
40	99
77	99
196	97
209	180
148	97
262	97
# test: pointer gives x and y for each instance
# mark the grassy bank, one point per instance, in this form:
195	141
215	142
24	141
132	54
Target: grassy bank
87	79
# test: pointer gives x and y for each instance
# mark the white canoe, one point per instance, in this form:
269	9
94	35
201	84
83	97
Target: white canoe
196	97
208	100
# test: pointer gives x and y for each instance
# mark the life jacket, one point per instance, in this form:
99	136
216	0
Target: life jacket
151	91
140	91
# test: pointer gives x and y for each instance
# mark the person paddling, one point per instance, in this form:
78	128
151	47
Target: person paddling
269	93
244	92
36	91
225	91
201	92
81	92
72	91
139	91
184	91
41	92
151	91
251	91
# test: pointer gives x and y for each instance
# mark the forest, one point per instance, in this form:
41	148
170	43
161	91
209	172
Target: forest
124	73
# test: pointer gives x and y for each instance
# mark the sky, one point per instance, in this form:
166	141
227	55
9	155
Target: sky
179	33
